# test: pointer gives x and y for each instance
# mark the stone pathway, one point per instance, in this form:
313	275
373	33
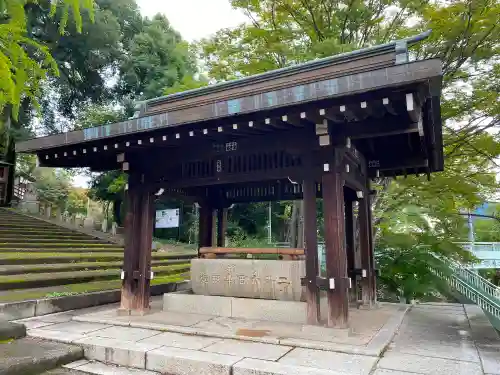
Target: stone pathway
442	339
434	339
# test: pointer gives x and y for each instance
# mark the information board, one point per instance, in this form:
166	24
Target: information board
167	218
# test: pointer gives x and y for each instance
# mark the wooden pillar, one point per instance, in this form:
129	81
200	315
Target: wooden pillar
221	226
336	257
311	252
372	251
135	292
144	242
205	226
350	243
364	239
130	259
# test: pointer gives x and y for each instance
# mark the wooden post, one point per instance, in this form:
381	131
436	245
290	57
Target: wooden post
145	231
130	260
221	226
350	243
336	257
311	251
372	251
205	226
364	239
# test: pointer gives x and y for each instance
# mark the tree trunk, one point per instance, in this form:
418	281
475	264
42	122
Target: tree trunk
117	204
293	224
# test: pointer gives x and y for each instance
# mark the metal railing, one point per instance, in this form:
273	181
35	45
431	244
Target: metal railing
476	281
481	246
475	288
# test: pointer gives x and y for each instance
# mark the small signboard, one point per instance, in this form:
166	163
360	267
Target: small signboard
167	218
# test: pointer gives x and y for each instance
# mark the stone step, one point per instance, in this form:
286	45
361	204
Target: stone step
94	367
8	282
109	356
18	269
63	256
57	245
42	239
10	331
34	356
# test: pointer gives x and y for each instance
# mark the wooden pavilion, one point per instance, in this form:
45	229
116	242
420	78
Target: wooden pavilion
321	129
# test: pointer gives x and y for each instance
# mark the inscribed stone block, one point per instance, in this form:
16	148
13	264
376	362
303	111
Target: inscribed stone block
248	278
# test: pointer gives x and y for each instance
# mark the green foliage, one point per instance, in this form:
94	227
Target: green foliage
158	58
52	186
25	63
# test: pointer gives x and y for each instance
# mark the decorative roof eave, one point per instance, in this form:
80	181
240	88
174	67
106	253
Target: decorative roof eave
400	46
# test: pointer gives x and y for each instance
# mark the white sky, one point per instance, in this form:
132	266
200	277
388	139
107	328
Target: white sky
193	19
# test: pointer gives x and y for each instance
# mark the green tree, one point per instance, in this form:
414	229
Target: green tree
52	186
24	63
157	58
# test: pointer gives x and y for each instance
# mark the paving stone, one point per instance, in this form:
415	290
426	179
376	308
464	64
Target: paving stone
428	365
125	333
170	318
78	327
348	363
33	324
118	352
104	369
460	351
177	361
179	340
380	371
490	359
34	356
75	364
197	304
66	337
64	371
250	366
61	317
249	349
260	309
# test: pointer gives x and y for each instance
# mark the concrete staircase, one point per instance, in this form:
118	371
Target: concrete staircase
39	259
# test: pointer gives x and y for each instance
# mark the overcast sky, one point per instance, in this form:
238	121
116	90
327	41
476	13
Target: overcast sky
194	19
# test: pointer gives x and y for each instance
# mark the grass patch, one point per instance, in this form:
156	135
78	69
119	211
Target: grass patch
61	294
41	277
23	295
62	244
62	267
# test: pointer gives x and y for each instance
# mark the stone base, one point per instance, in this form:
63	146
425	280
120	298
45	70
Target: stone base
244	308
249	278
